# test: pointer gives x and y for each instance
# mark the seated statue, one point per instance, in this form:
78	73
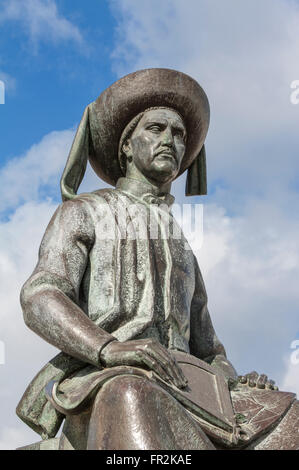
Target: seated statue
117	289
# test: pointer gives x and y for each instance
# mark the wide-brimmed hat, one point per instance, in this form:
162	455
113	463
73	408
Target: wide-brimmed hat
104	121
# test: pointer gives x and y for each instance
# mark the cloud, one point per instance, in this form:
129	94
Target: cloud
35	174
29	196
13	437
243	54
41	20
291	379
251	272
25	353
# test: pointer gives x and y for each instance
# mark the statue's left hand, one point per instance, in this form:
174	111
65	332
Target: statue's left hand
253	379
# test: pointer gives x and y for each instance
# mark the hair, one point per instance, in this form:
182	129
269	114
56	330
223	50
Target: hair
128	131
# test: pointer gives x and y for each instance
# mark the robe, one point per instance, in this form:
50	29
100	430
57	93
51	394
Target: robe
120	256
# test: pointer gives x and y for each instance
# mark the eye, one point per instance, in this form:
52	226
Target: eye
181	134
156	128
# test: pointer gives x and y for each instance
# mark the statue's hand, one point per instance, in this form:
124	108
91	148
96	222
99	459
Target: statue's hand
144	352
253	379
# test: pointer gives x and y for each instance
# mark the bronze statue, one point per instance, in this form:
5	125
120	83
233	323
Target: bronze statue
141	366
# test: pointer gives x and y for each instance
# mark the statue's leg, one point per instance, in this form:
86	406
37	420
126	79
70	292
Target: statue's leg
130	412
75	431
285	436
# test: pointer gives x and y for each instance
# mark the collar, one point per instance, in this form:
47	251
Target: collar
146	192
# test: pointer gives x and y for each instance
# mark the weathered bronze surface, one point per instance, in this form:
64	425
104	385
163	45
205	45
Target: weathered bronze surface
118	290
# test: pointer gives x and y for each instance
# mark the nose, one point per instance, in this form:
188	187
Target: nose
167	138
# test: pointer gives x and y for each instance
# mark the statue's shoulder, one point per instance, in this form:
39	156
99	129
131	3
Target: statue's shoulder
89	204
93	199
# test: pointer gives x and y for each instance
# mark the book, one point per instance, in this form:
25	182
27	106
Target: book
206	397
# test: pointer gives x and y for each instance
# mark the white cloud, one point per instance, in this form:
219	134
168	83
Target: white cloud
41	20
291	379
22	183
245	56
13	437
26	183
25	353
251	271
35	175
23	178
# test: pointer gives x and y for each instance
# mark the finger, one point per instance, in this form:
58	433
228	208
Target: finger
166	361
253	376
252	383
270	384
177	369
261	381
169	364
152	364
171	371
242	379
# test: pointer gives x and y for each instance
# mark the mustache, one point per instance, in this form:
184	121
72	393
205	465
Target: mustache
167	151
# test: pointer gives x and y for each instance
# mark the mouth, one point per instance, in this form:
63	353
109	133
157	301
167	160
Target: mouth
168	154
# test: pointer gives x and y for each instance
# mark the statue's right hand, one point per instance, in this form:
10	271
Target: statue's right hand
144	352
253	379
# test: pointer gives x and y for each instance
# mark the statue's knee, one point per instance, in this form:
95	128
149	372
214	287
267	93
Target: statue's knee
128	389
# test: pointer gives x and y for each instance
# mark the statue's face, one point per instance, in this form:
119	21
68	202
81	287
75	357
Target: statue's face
157	144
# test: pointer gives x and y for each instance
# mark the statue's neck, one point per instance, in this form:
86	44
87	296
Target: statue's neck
157	187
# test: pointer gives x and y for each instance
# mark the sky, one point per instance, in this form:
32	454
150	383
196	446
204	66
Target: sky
58	56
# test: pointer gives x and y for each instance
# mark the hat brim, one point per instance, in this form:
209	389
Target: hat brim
133	94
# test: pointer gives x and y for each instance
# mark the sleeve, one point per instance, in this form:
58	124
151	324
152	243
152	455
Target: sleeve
50	297
204	342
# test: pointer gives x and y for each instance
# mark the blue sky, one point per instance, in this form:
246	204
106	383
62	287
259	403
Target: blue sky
56	56
54	79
